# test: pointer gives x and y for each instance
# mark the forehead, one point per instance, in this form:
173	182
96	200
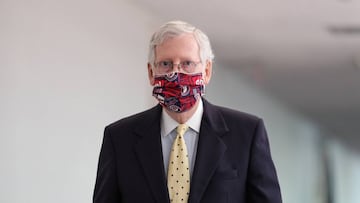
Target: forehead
183	46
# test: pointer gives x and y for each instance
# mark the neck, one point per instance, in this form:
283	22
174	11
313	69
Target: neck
184	116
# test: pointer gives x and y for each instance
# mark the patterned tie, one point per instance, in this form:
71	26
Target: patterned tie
178	171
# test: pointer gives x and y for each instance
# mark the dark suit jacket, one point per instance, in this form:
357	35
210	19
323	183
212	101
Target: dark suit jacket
233	162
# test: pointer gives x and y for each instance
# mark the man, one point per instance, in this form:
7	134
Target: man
185	149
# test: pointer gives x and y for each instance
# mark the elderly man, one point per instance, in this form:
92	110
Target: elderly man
185	149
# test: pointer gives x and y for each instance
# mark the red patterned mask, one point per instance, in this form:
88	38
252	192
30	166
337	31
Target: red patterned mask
178	92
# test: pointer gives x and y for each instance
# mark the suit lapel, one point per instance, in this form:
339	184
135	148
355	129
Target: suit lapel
209	152
149	153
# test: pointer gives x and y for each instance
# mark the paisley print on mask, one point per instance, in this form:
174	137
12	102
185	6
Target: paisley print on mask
178	92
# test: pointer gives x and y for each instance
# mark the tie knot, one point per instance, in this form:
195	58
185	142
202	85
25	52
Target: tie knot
181	129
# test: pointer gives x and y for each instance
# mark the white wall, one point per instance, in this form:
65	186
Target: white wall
346	169
68	68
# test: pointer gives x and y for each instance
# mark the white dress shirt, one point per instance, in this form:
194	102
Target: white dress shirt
168	135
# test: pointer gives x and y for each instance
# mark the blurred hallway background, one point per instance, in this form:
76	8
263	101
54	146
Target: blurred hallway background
69	68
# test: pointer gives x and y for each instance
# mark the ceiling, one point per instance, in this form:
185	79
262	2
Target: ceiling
305	52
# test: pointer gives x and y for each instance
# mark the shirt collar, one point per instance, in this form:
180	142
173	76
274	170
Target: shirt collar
168	124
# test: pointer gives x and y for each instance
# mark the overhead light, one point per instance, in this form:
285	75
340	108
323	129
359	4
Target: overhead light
344	29
356	62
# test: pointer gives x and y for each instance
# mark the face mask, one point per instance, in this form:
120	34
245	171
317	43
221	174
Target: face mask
178	92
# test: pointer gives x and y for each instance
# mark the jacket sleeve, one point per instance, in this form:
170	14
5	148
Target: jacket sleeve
262	181
106	186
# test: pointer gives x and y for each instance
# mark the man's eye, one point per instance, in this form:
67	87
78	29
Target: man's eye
165	63
187	63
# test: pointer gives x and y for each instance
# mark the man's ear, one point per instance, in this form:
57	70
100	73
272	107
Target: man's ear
207	72
151	74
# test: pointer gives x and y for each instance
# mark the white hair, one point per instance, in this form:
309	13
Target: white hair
176	28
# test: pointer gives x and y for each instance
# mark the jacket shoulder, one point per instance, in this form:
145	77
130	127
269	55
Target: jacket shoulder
230	114
134	120
227	119
233	113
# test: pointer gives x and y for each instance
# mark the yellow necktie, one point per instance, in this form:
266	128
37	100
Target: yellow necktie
178	171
